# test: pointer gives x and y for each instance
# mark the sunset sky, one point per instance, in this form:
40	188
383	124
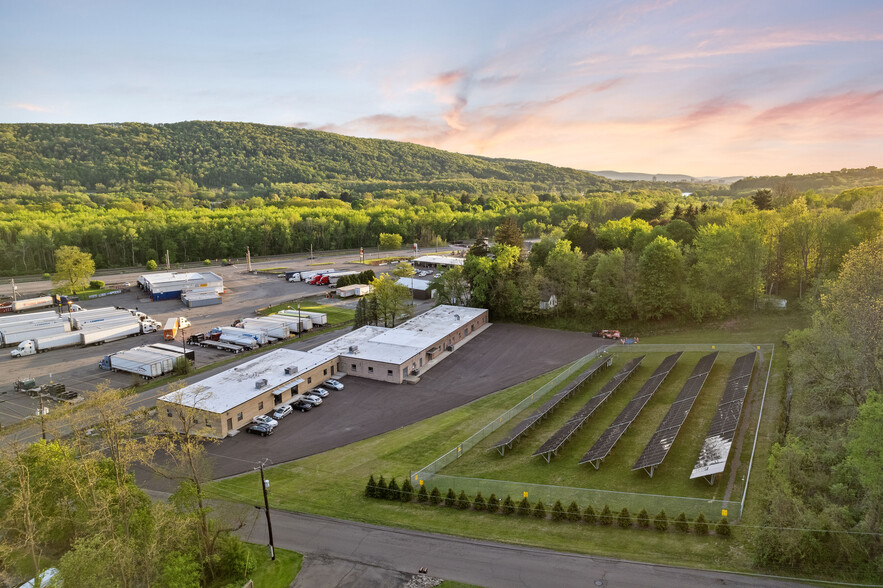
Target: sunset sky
695	87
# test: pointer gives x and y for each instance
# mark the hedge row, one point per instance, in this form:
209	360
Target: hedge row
624	519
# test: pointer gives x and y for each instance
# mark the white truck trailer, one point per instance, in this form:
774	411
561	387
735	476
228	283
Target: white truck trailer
273	328
258	335
140	360
16	334
33	346
295	325
115	331
318	318
241	341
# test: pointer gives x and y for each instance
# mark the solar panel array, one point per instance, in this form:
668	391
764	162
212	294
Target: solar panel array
604	445
713	456
554	443
656	450
519	429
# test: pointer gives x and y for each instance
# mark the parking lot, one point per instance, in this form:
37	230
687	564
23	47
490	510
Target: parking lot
77	367
501	356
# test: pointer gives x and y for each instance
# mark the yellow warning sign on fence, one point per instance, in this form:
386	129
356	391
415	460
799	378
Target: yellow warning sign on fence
525	494
724	512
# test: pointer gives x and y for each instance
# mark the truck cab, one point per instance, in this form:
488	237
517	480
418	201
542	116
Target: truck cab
24	348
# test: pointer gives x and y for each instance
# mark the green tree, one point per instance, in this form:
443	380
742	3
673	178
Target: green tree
371	487
701	525
390	299
762	199
404	270
539	511
382	488
643	518
390	241
508	506
392	490
723	528
558	513
479	502
624	520
422	495
151	265
462	500
524	508
660	279
406	494
613	285
606	516
73	268
508	233
573	513
681	523
435	497
493	503
450	497
589	515
661	521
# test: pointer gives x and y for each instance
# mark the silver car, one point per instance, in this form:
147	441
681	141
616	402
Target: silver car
320	392
314	400
333	384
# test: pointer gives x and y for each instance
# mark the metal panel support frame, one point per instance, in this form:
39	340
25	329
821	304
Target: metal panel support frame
650	470
710	479
596	463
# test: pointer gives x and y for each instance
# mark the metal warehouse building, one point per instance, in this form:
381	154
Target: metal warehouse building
229	400
437	261
169	285
402	352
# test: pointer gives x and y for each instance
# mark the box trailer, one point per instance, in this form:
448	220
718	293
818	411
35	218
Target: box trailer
244	341
353	290
31	316
318	318
86	317
17	336
295	325
170	331
189	353
33	346
28	304
99	336
272	328
138	361
258	335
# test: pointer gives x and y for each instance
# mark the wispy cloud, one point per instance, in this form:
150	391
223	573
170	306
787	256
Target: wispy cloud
30	107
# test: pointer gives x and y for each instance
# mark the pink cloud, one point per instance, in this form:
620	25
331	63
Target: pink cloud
30	107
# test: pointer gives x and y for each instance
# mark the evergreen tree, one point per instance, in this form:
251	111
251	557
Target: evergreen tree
523	507
371	488
450	497
643	518
763	199
462	500
361	316
701	525
478	503
508	233
493	504
589	515
723	528
422	495
407	492
682	524
434	497
661	521
508	505
479	248
392	491
606	516
380	492
573	513
539	511
625	518
558	513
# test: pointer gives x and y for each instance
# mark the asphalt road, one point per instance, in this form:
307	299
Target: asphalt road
335	550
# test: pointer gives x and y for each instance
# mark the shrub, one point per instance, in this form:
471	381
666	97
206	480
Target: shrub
365	277
573	512
96	285
661	521
407	492
643	518
47	276
493	504
206	262
523	507
434	497
151	265
234	557
606	516
508	505
701	525
682	524
625	518
392	491
380	492
422	495
478	503
558	513
390	241
539	511
589	515
723	527
450	497
462	500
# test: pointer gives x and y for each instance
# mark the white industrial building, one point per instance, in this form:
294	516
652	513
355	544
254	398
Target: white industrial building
169	285
437	261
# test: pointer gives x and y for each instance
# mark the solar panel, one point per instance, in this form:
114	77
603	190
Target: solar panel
559	437
659	445
608	439
519	429
713	455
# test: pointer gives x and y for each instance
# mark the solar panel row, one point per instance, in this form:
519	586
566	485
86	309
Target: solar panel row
608	439
519	429
660	444
713	455
559	437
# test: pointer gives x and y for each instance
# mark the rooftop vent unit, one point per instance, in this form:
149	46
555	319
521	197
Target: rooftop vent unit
292	369
456	317
260	383
354	348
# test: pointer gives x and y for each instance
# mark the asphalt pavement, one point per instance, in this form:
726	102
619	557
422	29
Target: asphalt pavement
337	551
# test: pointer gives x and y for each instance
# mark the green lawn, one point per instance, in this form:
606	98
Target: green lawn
332	483
84	294
275	574
336	314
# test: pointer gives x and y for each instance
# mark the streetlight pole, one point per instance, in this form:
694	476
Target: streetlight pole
265	484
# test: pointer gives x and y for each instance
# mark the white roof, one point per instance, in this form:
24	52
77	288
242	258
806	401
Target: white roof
160	278
440	260
224	391
413	283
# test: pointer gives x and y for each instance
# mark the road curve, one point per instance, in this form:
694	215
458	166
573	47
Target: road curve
482	563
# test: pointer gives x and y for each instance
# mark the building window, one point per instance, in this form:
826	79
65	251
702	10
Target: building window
325	372
195	420
239	416
260	405
353	367
370	370
208	423
169	412
421	362
472	329
310	380
389	373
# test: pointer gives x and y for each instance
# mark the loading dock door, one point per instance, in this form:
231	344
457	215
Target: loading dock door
277	398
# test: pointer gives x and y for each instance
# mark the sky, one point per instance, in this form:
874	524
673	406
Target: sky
655	86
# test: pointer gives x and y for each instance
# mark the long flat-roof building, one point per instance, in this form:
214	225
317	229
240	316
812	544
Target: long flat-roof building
229	400
437	261
169	285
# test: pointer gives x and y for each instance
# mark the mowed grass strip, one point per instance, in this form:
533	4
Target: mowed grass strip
615	472
336	314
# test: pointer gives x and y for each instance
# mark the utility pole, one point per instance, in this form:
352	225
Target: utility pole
168	265
265	484
42	416
14	290
248	258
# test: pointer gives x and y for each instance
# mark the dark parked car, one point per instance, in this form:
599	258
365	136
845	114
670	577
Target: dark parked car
302	406
260	429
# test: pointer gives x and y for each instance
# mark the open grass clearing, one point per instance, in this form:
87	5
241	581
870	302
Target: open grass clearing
336	314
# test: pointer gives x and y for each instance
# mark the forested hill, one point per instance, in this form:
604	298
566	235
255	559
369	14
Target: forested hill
220	154
832	182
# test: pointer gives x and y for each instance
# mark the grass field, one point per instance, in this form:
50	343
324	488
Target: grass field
336	314
332	483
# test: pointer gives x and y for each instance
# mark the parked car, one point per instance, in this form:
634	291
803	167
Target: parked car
302	405
282	412
261	429
314	400
333	384
265	420
320	392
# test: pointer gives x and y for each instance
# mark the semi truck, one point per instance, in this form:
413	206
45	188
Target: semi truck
172	325
89	336
258	335
43	344
307	276
140	360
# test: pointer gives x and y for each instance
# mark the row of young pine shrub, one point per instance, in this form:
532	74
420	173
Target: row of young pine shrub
624	519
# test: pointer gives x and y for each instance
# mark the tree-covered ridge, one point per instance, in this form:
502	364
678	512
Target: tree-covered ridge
220	154
831	182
